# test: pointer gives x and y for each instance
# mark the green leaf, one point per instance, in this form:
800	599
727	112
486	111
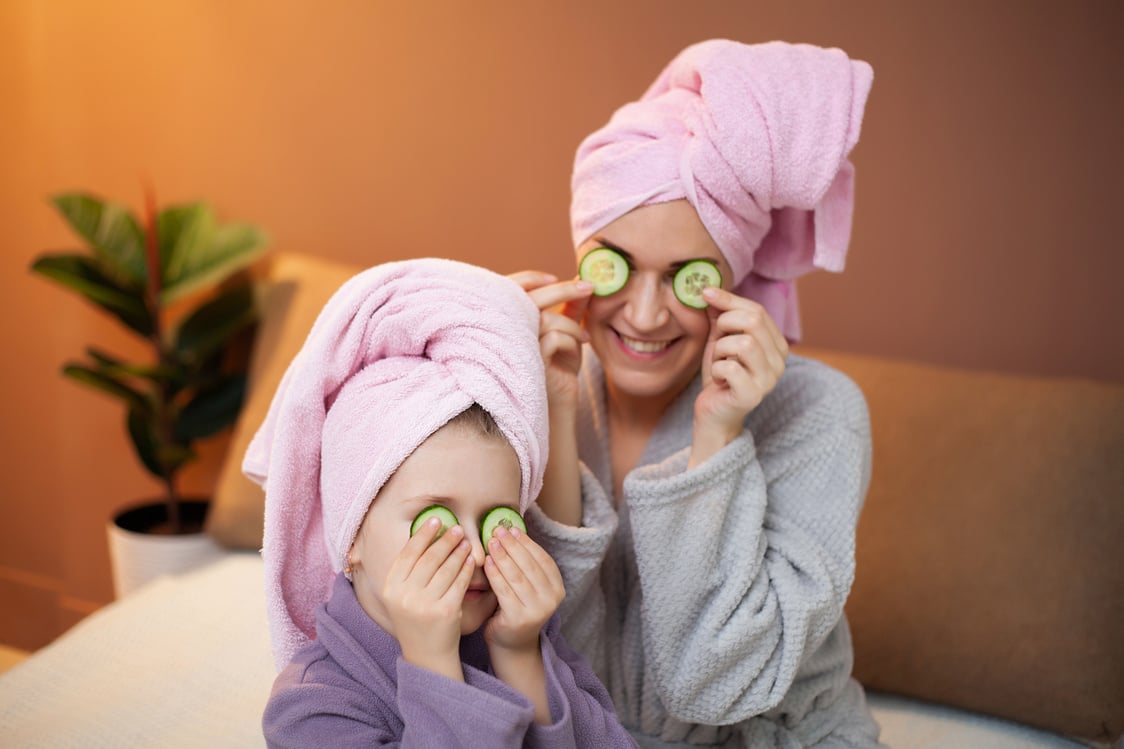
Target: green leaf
114	366
208	328
108	384
144	441
112	231
83	274
185	232
160	458
211	410
234	247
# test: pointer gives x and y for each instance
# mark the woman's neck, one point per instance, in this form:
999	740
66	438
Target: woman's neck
632	420
639	413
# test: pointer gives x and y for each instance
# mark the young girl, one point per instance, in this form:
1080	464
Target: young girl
414	413
704	486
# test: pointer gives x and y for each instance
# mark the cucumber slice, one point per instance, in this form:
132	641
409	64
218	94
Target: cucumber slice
605	269
496	517
692	278
442	513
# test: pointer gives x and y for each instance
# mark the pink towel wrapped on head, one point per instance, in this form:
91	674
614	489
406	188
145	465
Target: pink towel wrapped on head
756	137
396	353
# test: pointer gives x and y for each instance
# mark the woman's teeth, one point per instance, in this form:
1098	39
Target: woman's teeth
645	347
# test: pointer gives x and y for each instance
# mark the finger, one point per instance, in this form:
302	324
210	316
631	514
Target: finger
575	309
559	348
780	343
505	596
744	388
548	576
542	557
760	362
755	320
555	294
727	301
413	549
513	577
532	279
553	322
514	543
433	557
459	586
450	569
744	348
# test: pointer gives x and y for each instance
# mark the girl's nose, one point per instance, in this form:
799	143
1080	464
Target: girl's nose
647	307
476	548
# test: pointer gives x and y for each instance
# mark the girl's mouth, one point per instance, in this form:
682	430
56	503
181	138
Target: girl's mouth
476	593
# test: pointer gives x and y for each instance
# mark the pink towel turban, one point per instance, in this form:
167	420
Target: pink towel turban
397	352
756	137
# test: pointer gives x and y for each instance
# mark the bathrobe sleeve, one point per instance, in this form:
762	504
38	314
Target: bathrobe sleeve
580	706
580	554
745	562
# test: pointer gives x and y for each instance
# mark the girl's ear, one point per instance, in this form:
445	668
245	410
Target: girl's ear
354	554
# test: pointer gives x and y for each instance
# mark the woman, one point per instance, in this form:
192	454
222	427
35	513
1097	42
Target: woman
703	486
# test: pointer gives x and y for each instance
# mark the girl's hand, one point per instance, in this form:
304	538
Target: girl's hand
743	360
423	593
529	589
562	306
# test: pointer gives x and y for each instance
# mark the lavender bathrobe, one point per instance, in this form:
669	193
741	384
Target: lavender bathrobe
350	687
710	600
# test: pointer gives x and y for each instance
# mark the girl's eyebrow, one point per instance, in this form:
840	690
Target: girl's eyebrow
428	499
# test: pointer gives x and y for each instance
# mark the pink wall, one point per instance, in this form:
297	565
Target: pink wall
988	176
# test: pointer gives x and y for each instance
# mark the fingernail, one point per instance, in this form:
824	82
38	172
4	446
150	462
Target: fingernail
583	286
710	293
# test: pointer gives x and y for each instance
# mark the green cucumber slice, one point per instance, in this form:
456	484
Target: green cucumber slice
692	278
496	517
606	269
442	513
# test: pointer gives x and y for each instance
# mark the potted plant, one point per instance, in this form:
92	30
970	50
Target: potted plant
179	260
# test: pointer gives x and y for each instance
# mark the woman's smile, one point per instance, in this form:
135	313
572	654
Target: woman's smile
642	347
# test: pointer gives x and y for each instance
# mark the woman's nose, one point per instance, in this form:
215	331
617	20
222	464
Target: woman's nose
647	308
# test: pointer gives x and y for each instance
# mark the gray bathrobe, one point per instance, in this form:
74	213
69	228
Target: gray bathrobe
710	600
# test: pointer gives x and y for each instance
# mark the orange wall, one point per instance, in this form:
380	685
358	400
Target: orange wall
989	169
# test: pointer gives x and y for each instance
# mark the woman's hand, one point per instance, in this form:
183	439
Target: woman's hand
529	588
743	360
423	595
562	305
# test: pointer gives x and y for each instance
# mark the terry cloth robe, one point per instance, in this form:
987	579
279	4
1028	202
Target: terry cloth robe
350	687
710	600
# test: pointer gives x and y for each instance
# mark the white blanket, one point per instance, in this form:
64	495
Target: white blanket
183	662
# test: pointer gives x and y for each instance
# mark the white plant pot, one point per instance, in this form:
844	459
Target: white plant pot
138	558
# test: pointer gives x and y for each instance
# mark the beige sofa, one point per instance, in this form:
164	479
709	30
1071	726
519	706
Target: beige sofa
988	608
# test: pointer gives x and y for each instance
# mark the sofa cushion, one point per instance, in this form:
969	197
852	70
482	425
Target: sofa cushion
297	289
990	570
